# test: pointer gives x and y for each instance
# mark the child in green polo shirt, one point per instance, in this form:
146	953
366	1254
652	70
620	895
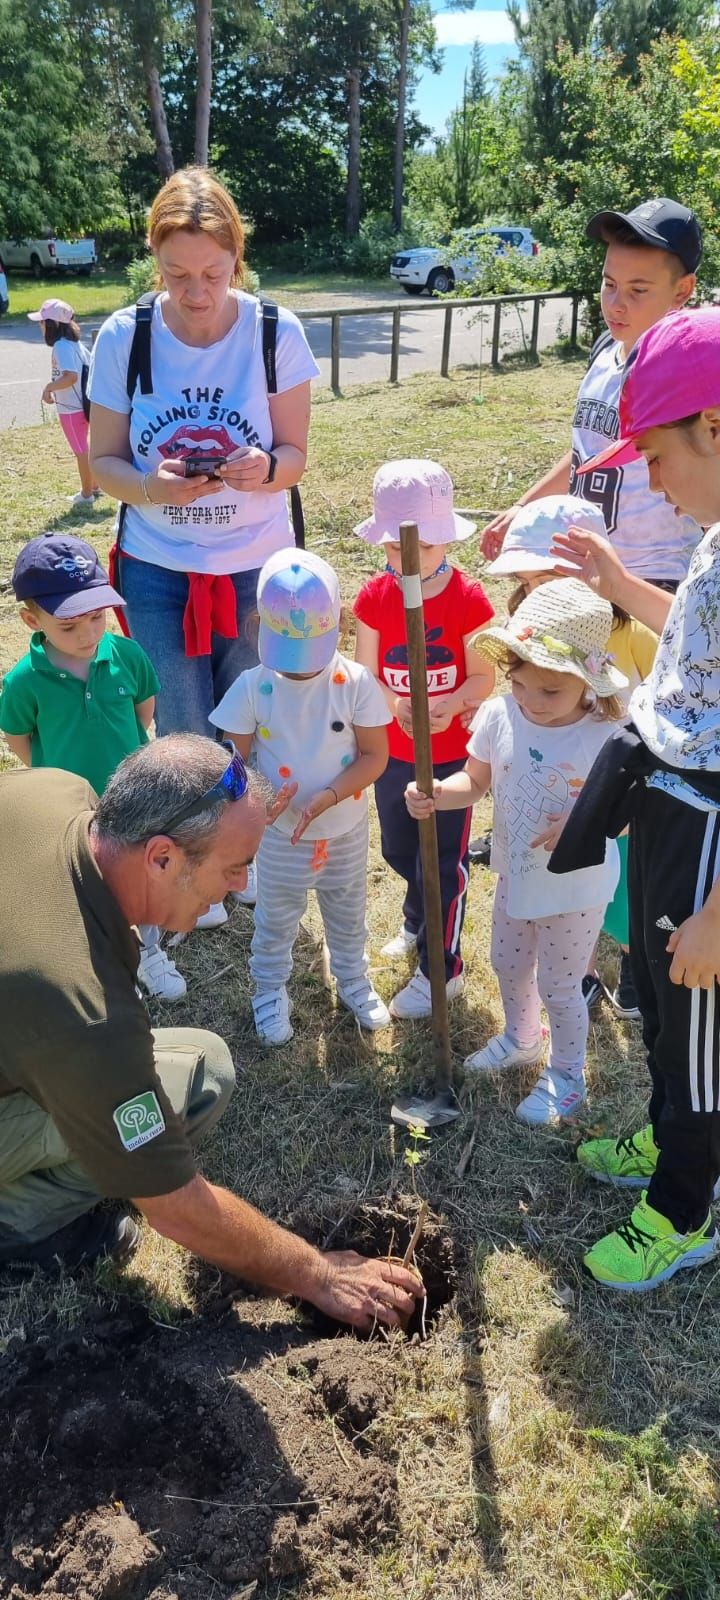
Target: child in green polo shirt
82	698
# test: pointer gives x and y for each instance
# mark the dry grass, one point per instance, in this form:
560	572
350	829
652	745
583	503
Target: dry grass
552	1443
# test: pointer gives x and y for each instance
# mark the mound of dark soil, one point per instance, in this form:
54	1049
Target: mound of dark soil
144	1463
138	1461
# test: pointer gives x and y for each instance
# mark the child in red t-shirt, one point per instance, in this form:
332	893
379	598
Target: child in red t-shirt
455	607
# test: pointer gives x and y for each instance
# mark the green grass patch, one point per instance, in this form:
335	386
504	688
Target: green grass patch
105	290
95	296
552	1442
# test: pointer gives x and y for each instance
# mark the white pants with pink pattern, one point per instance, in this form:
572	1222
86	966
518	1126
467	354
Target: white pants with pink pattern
543	962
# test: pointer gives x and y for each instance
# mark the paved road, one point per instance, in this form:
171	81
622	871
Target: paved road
365	348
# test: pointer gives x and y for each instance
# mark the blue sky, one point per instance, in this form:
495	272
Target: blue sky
437	96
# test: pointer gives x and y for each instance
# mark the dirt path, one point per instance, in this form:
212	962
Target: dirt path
365	345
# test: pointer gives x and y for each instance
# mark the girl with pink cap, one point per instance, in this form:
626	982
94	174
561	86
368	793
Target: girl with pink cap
70	358
662	771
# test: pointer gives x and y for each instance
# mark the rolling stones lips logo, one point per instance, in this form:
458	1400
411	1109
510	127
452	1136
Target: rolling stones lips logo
212	440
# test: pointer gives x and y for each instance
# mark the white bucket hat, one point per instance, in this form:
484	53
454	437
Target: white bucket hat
414	491
563	626
526	547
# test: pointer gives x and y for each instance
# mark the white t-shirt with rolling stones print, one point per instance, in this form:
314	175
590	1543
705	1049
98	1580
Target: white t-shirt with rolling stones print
211	398
303	732
650	539
677	710
69	355
537	774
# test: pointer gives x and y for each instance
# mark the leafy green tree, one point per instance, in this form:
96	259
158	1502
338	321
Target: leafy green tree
54	167
625	142
629	27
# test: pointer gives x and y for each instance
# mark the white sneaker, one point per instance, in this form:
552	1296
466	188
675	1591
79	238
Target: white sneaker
248	895
555	1097
271	1011
502	1052
365	1004
401	945
415	1000
81	499
160	975
214	918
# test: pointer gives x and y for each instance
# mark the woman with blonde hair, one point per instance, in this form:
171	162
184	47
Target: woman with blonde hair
203	459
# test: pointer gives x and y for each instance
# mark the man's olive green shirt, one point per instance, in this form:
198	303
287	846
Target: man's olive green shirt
74	1033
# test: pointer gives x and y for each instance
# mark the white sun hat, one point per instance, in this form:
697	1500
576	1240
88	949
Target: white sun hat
526	547
562	626
416	491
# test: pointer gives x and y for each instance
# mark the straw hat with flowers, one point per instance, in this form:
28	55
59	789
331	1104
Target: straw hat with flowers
562	626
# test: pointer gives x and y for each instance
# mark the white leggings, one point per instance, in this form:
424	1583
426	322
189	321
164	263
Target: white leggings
544	961
337	870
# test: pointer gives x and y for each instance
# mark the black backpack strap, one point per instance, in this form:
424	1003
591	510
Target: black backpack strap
139	363
298	517
269	342
84	396
139	367
603	342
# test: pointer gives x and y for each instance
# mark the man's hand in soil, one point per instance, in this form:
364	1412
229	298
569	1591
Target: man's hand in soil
361	1292
223	1229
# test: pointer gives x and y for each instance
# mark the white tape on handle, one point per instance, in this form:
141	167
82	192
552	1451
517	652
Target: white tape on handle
412	591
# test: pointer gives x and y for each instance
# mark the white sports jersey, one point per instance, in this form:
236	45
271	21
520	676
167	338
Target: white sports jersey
650	539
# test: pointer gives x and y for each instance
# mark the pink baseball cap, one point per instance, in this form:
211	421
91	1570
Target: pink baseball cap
52	311
414	491
673	371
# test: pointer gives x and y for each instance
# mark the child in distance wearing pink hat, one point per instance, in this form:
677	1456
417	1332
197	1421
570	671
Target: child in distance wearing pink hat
65	389
458	680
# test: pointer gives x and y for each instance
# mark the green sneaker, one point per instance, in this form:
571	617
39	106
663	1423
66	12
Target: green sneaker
646	1250
626	1163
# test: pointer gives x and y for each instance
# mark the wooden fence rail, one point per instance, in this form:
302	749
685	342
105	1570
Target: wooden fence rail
496	303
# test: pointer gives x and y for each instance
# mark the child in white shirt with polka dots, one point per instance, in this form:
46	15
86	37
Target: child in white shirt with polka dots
316	719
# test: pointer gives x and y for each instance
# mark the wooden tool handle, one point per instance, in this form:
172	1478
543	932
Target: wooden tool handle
417	665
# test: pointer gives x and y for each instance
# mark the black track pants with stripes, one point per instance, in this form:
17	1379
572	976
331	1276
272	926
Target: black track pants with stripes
674	860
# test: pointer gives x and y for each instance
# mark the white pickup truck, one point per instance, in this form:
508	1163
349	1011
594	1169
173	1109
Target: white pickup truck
49	254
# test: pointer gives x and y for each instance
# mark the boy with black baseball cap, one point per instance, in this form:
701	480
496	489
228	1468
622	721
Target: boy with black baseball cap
82	698
651	258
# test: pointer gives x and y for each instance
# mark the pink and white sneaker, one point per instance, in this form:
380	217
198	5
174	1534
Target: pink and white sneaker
554	1098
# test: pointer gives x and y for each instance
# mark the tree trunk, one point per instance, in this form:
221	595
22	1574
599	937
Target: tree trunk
352	204
203	32
397	209
163	147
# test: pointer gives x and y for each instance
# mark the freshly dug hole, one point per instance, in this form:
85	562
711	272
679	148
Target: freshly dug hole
386	1230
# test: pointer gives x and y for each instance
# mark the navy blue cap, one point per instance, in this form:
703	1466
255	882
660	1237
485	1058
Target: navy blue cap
663	223
63	576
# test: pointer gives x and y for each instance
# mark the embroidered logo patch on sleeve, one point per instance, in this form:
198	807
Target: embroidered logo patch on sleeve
139	1120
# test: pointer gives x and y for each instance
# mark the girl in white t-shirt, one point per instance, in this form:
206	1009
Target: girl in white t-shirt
317	721
64	391
533	750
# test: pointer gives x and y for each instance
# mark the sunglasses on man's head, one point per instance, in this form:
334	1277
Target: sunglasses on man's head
232	785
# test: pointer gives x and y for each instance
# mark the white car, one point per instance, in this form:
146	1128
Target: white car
438	272
49	254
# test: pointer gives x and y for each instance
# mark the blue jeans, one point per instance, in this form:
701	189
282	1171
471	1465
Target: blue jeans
190	686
